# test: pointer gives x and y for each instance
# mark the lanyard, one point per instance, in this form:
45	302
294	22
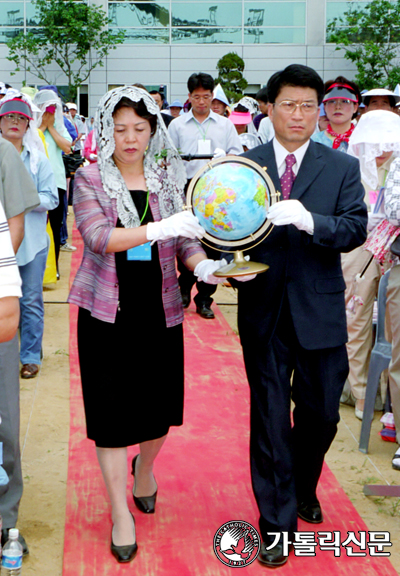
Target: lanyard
204	134
145	210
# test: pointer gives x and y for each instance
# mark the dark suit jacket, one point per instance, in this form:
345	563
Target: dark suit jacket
307	268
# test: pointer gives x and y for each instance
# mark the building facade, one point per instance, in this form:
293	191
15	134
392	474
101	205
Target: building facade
167	40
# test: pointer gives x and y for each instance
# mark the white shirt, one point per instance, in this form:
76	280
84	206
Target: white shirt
10	280
266	130
281	153
185	132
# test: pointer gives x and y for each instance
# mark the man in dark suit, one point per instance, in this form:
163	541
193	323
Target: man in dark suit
292	320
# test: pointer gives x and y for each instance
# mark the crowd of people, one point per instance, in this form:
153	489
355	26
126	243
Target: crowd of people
306	325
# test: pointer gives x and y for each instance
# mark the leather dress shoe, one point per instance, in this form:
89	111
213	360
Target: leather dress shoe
310	512
126	553
272	558
205	312
21	540
185	299
146	504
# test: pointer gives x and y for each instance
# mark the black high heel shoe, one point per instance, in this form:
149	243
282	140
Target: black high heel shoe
146	504
126	553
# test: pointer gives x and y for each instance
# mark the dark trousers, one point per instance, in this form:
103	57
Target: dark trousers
286	461
56	218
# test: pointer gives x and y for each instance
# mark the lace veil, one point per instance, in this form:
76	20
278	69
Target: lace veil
376	132
164	170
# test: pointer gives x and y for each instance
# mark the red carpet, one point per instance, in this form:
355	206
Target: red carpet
202	473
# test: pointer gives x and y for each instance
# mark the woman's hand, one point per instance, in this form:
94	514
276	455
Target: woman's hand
181	224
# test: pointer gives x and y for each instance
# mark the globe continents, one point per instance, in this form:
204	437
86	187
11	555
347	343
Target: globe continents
231	200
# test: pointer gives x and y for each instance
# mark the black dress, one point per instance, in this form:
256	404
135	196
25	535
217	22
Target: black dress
132	370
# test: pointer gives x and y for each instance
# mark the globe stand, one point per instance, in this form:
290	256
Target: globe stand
240	267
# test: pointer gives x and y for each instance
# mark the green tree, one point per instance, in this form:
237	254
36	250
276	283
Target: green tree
230	75
370	37
71	34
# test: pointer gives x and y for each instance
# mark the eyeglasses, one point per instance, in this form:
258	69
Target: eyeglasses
338	101
198	98
17	118
288	107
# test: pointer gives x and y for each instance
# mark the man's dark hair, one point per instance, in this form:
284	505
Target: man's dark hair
262	95
295	75
157	92
200	80
140	109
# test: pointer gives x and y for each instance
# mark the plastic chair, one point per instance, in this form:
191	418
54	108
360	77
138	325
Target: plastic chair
380	358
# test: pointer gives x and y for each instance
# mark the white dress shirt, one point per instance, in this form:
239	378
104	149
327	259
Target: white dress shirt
281	153
266	130
185	132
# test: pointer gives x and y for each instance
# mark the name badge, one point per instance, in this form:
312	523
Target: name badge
203	146
142	252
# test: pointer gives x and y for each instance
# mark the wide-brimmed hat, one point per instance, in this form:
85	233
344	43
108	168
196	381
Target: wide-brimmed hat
340	92
176	104
381	92
16	106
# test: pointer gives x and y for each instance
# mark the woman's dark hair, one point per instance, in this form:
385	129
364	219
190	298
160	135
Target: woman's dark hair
200	80
295	75
241	108
140	109
352	86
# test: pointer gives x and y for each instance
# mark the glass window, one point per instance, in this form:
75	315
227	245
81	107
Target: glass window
206	14
139	14
31	18
7	34
337	9
11	13
275	14
207	35
275	36
146	35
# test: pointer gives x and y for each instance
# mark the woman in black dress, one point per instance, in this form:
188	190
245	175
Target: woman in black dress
129	210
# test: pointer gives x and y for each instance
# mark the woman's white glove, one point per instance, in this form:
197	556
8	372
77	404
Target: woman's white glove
291	212
181	224
206	268
374	220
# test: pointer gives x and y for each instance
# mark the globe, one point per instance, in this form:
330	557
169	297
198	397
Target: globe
230	196
231	201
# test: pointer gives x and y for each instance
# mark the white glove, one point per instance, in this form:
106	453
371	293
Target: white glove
180	224
206	268
291	212
374	220
219	153
93	157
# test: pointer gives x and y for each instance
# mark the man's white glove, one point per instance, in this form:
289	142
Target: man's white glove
93	157
219	153
291	212
374	220
206	268
180	224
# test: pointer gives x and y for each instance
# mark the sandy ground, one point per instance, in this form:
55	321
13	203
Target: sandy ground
45	433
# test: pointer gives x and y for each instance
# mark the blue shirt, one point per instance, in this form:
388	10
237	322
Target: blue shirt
327	140
35	236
